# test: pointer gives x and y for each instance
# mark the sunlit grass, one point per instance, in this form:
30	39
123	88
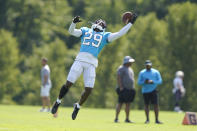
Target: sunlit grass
28	118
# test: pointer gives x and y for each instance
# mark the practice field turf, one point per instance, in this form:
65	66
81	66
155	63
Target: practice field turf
28	118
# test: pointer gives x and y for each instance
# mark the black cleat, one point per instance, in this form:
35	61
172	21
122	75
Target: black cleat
158	122
116	120
75	112
55	107
147	122
128	121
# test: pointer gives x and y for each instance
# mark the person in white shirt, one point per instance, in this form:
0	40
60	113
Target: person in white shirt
178	90
46	85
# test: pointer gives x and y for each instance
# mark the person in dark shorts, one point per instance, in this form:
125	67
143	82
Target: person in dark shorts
149	78
125	88
178	90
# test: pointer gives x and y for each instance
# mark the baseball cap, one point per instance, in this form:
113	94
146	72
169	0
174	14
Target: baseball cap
148	62
128	59
179	74
45	59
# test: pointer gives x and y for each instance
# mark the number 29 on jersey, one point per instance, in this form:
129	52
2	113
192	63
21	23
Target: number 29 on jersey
92	40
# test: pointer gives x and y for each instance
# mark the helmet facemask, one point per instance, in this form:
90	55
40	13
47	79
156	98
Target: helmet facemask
99	25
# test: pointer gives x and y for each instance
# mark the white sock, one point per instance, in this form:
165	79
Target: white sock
58	100
78	106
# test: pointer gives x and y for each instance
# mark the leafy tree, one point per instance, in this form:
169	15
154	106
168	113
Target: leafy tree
9	58
35	22
144	7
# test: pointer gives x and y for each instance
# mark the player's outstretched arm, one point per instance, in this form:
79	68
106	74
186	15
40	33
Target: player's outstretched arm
116	35
72	30
124	30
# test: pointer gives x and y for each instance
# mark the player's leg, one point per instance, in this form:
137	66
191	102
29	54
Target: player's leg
119	105
127	110
63	91
48	103
89	79
73	75
177	101
83	98
85	95
118	108
44	93
42	99
89	75
154	100
130	95
146	106
47	96
156	110
43	104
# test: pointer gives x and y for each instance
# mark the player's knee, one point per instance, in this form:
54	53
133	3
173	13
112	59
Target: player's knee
68	84
88	90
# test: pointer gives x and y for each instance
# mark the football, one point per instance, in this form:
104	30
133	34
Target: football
126	17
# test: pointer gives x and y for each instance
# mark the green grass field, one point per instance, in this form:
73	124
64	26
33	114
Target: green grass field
28	118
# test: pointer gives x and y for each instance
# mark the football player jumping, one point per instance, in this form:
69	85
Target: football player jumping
92	42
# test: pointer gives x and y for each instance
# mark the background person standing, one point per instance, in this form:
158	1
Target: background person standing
126	89
178	90
46	85
149	78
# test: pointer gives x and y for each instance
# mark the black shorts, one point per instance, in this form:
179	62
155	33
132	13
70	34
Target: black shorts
126	95
151	97
178	95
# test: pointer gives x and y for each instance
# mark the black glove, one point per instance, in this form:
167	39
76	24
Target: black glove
76	19
133	18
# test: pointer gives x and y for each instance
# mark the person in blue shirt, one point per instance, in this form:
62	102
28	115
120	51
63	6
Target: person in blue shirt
149	78
92	42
